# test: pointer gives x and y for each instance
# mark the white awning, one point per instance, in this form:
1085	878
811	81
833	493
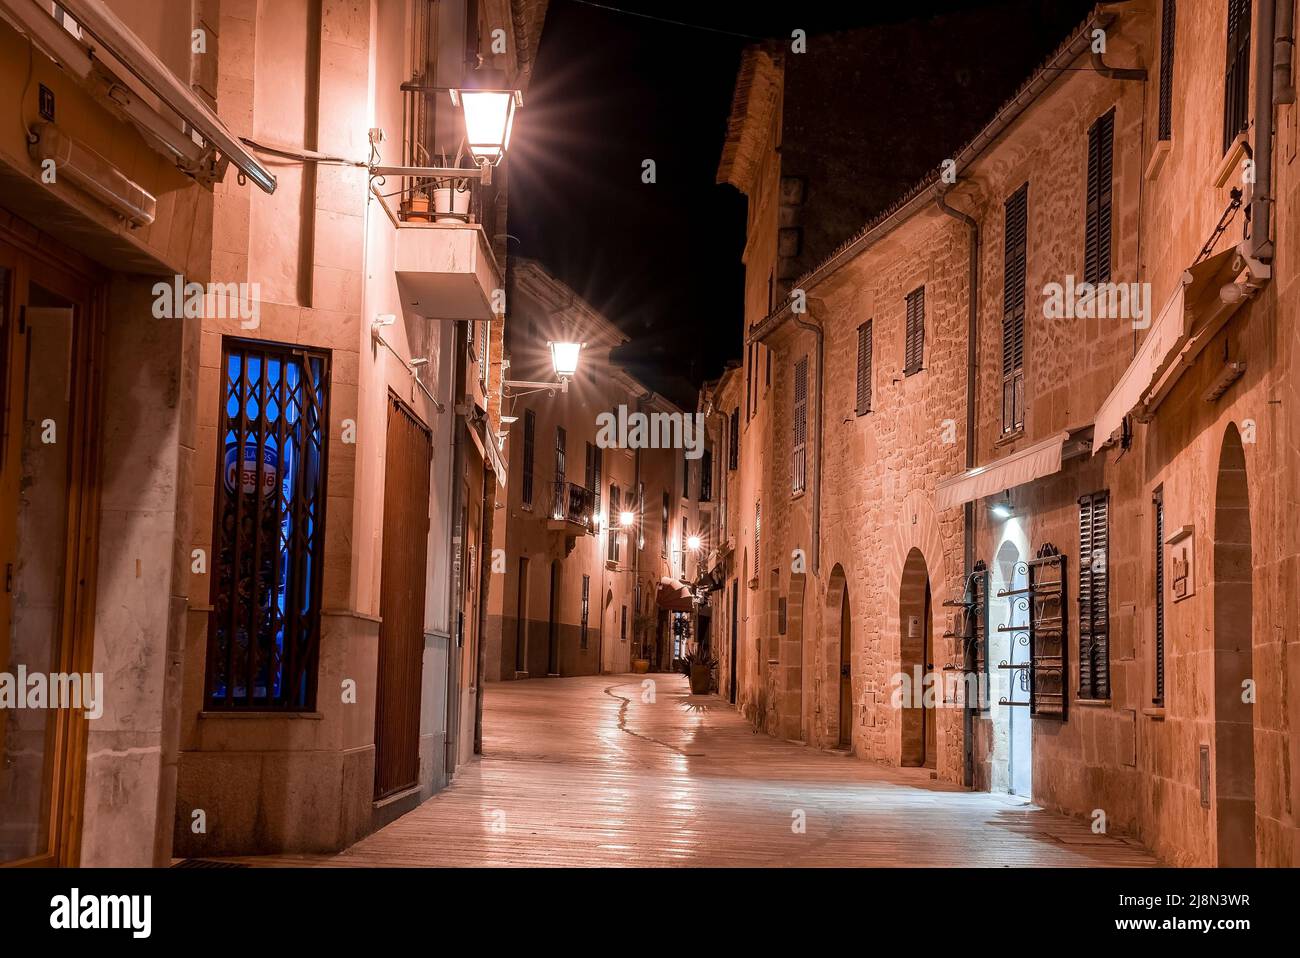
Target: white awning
105	29
1034	462
498	463
1197	295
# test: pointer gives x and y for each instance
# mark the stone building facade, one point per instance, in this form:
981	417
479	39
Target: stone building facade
574	590
1062	516
284	485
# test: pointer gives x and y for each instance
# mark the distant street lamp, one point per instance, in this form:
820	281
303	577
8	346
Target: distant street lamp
564	361
693	543
626	518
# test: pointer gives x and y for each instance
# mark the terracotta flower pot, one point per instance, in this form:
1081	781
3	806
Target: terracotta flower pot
701	679
415	208
640	666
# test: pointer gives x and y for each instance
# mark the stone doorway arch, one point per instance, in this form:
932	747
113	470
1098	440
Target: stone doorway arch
1234	720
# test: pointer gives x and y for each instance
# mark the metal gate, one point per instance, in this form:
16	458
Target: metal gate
408	452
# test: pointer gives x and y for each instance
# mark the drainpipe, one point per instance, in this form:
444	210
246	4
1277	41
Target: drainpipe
1283	50
1261	248
817	447
968	524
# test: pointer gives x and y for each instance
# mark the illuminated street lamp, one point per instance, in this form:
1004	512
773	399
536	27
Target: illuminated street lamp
564	358
564	361
626	518
693	543
489	111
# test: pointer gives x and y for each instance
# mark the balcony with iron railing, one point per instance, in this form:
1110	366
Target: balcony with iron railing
573	508
441	210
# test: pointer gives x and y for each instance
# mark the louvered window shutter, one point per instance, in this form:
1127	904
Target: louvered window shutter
799	449
1101	143
1236	110
733	441
864	369
1168	17
1014	253
1094	596
914	349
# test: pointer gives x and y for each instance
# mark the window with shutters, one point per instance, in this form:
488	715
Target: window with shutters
1094	596
663	532
1236	77
706	476
1016	220
530	451
593	483
1096	237
622	629
914	348
686	477
561	442
268	528
591	471
586	608
758	523
749	385
1168	17
799	449
1158	698
615	522
863	404
733	441
484	353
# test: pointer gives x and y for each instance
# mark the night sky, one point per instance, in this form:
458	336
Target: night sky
611	89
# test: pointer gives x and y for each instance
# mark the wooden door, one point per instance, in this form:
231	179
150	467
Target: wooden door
407	456
553	624
846	673
50	327
735	595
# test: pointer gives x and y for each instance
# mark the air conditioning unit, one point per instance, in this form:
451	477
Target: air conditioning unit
87	170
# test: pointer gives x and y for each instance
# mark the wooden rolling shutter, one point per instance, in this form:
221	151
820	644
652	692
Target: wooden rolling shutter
1094	596
1166	118
914	351
1096	244
1013	310
799	454
864	369
1158	697
733	441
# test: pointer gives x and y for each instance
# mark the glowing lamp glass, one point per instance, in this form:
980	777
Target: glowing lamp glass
564	357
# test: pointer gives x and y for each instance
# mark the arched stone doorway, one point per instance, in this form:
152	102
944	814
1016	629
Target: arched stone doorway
839	656
916	662
1234	723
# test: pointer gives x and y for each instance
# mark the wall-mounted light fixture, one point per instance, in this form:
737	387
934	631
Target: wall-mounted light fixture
1002	508
564	361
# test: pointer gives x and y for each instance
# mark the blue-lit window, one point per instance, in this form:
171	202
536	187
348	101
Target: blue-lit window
268	536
